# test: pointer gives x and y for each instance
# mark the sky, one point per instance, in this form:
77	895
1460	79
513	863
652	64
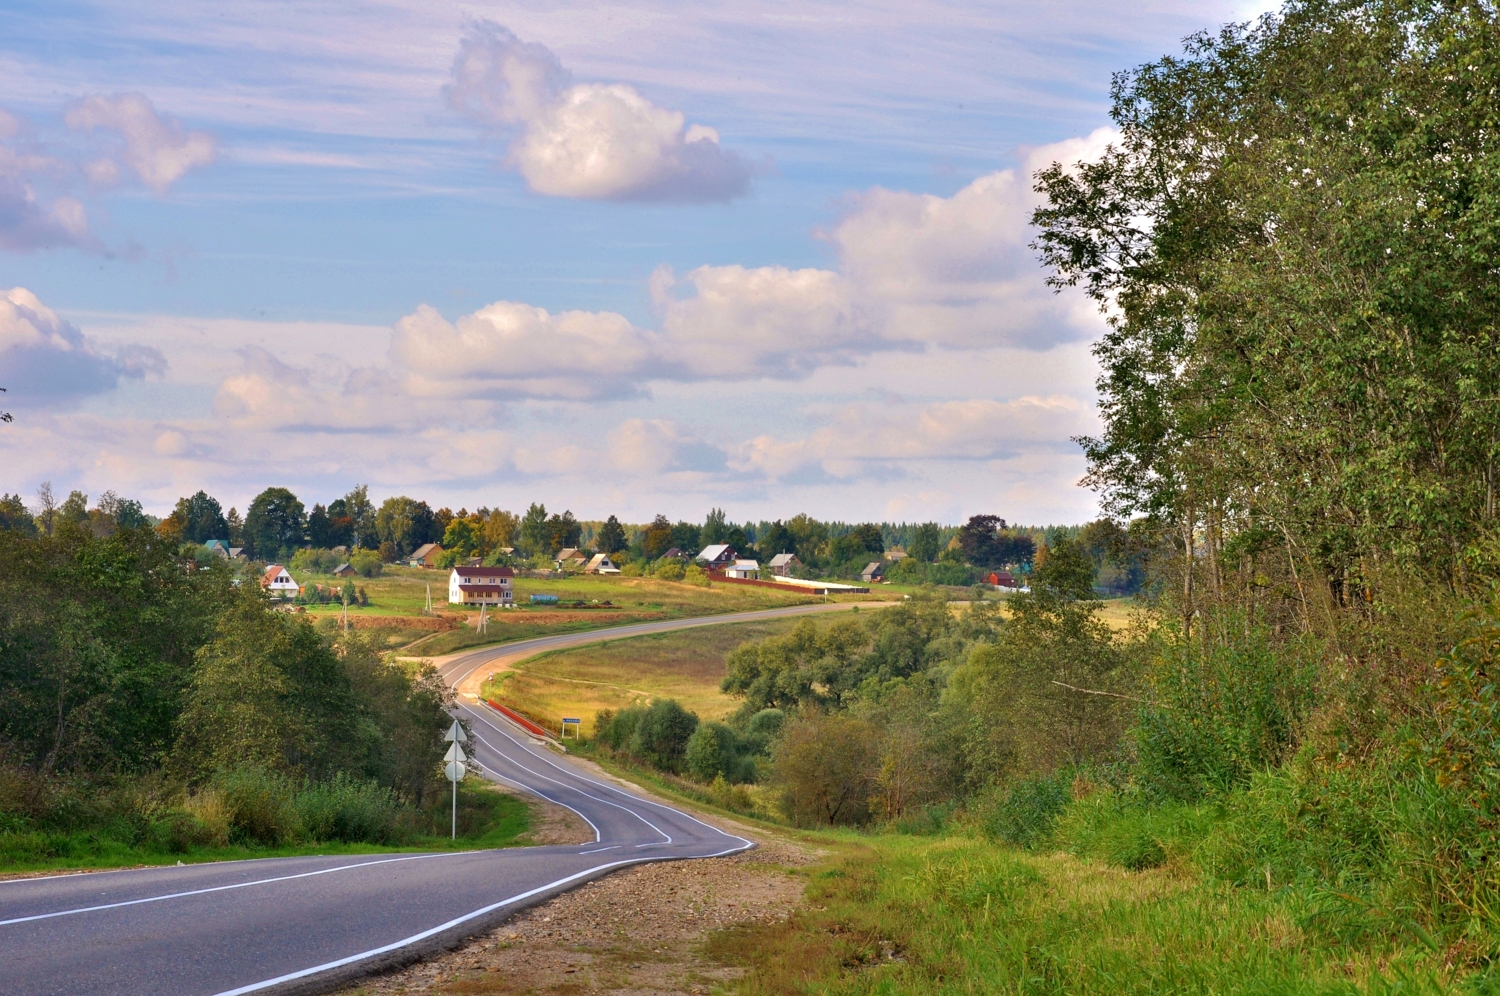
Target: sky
617	258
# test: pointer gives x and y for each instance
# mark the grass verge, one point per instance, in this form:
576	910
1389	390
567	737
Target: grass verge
487	818
953	915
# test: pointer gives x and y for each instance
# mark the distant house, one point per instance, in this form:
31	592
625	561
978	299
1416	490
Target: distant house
674	554
481	586
601	564
425	555
237	553
1002	579
872	572
743	569
718	557
278	581
895	556
343	571
219	547
474	562
570	559
782	564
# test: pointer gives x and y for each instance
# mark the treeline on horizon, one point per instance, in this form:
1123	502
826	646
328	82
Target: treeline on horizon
277	525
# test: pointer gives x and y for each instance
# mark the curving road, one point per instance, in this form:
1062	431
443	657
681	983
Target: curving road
306	925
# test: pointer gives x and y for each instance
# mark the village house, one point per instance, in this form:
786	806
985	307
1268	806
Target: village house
279	582
601	564
782	564
718	557
872	573
1001	579
743	569
570	559
481	586
343	571
426	555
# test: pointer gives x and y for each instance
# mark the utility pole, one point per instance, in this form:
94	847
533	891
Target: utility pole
428	611
456	767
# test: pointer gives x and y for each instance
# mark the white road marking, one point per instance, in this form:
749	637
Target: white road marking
456	921
565	785
223	888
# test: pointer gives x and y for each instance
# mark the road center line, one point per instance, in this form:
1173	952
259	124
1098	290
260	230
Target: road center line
222	888
456	921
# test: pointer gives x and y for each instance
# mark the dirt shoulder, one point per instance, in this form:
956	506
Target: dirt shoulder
640	931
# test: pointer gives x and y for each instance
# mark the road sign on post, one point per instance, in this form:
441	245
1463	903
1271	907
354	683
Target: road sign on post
456	767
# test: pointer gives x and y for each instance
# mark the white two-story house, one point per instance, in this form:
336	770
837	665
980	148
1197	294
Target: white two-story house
481	586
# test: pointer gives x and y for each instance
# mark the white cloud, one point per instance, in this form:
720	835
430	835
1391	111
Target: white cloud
643	447
156	148
515	350
26	222
587	140
958	270
45	359
769	321
859	437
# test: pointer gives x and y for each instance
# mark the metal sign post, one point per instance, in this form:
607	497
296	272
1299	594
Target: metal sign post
456	767
577	725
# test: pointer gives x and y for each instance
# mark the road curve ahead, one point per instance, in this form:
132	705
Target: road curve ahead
306	925
466	672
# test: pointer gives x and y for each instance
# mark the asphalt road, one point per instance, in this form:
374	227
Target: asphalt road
305	925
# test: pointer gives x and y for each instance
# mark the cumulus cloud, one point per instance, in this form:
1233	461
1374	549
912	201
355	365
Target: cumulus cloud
858	437
508	350
44	358
587	140
768	321
657	446
26	222
156	148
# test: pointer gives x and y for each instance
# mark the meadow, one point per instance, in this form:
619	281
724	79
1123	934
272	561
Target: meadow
687	666
398	599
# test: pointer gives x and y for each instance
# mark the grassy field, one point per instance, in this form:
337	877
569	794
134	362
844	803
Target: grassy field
686	665
398	600
487	817
955	915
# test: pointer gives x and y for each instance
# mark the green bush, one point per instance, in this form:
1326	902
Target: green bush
1024	812
1220	710
657	734
261	805
350	810
670	569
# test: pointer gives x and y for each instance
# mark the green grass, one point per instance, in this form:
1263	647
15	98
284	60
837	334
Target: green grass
400	594
687	665
487	818
956	915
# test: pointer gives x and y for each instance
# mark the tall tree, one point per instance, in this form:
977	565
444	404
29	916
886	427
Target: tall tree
658	537
361	515
1294	242
275	524
611	536
406	524
534	538
202	518
926	542
715	528
563	531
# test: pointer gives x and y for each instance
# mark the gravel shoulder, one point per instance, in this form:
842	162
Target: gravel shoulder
639	931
